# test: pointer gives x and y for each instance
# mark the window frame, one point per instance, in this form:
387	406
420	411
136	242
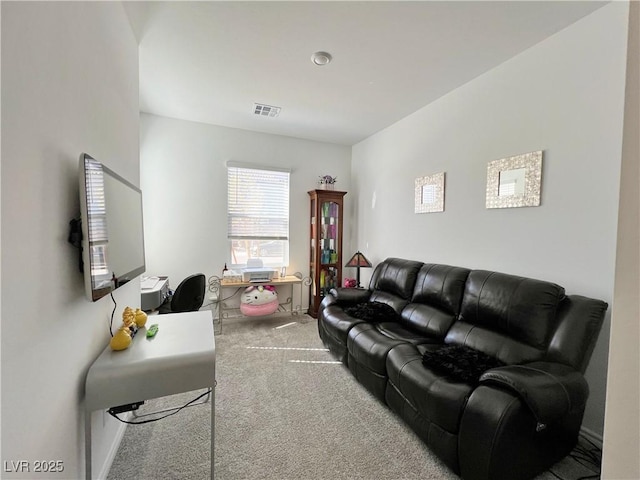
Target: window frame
278	234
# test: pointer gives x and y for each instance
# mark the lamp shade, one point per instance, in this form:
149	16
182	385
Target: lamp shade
359	260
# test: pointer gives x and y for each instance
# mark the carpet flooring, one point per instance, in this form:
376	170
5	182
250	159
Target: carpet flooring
285	410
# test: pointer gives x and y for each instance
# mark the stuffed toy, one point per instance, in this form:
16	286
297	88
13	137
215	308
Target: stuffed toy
350	283
260	300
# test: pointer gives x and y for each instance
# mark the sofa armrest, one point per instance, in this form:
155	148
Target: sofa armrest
350	296
498	437
550	390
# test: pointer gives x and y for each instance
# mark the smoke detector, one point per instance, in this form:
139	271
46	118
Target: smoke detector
265	110
321	58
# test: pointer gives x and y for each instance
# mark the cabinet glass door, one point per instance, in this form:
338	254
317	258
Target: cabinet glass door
329	246
314	236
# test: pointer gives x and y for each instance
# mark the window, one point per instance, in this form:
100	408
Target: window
258	215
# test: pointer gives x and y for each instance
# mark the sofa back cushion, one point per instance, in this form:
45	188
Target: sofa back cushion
437	296
398	303
495	344
426	320
440	286
393	280
522	309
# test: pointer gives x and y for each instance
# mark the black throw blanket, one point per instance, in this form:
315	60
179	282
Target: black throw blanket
373	312
460	363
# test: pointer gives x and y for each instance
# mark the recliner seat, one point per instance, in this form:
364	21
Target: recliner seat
425	319
393	281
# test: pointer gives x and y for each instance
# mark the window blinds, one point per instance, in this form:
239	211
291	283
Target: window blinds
258	204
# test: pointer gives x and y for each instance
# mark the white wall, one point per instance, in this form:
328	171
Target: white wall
184	185
622	419
564	96
69	84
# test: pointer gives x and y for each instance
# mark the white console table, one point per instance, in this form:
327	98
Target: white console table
180	358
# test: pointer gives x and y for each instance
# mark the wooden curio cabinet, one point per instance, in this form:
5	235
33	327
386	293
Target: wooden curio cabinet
325	266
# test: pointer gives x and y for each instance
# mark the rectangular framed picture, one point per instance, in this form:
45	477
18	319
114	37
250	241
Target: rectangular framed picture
514	181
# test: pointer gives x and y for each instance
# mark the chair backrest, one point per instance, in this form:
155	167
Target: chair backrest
189	296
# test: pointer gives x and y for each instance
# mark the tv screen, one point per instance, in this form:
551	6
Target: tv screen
112	228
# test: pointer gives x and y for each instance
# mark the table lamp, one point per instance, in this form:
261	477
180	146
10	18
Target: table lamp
358	261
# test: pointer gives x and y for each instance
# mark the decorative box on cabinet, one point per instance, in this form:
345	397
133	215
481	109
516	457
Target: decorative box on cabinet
325	267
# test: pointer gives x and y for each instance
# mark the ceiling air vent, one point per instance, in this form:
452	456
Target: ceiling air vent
265	110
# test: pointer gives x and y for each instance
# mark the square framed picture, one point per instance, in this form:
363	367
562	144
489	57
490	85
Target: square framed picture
429	193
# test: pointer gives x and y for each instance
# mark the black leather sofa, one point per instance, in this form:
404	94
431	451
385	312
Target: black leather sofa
511	421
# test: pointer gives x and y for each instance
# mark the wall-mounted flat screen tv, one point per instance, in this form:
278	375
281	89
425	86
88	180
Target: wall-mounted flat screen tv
112	228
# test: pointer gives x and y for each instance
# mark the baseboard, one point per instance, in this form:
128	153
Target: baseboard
591	436
113	450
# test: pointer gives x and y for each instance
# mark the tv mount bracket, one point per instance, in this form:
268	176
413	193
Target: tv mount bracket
75	239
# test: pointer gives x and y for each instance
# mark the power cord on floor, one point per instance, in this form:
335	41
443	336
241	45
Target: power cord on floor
215	302
589	457
115	415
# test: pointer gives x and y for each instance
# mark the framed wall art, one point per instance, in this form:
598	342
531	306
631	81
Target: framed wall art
429	193
514	181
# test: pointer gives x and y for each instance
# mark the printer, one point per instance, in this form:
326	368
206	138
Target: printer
256	272
154	291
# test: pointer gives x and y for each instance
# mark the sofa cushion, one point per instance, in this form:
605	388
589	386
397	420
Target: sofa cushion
437	397
440	286
399	332
436	299
496	344
368	345
427	320
337	323
395	276
398	303
521	308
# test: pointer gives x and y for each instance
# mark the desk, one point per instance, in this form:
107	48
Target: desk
217	285
180	358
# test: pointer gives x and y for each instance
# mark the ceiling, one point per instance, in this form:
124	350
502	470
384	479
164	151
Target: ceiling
211	61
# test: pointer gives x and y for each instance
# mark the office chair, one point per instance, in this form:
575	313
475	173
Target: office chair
188	297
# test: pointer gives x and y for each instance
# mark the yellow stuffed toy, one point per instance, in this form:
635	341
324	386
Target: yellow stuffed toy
131	321
141	318
121	340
